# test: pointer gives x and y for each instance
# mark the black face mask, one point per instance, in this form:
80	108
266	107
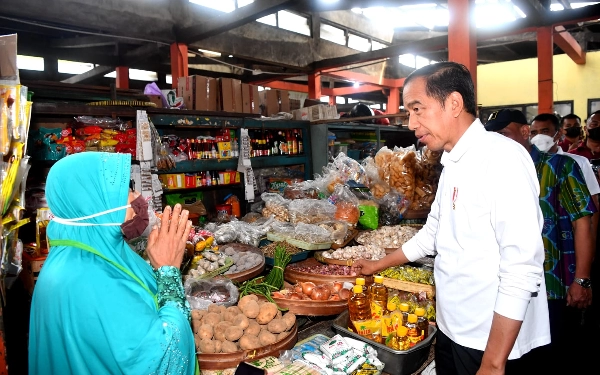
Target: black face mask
594	134
573	132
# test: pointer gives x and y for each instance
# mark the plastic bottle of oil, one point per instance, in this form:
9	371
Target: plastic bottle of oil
379	298
361	281
358	305
403	342
395	315
414	333
404	310
422	322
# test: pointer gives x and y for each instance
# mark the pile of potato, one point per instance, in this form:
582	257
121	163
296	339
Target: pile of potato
249	325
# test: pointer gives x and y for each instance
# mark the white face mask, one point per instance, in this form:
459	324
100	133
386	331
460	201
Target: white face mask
543	142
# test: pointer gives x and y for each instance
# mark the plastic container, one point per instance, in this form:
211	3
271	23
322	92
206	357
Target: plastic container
235	205
397	362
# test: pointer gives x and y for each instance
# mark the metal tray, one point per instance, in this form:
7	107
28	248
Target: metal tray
397	362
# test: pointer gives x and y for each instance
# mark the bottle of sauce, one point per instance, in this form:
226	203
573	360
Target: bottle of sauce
414	333
422	322
404	310
378	294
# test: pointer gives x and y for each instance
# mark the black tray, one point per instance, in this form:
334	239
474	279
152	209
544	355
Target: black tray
397	362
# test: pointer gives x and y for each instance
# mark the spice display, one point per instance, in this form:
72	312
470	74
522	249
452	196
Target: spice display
269	250
409	273
388	236
356	252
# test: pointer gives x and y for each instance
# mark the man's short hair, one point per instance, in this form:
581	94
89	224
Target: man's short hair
570	116
444	78
594	113
548	117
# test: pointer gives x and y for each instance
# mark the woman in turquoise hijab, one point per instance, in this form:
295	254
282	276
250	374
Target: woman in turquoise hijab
98	307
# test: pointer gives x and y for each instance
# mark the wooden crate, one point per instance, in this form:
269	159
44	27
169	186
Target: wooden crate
408	286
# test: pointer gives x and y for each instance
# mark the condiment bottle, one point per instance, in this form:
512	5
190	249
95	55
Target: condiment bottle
422	322
404	310
379	298
358	305
414	333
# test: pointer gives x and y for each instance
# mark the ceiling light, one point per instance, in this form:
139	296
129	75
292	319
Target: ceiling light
230	56
206	52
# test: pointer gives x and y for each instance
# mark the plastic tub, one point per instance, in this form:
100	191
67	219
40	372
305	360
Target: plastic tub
397	362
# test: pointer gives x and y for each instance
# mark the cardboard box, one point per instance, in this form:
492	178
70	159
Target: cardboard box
156	99
295	104
250	99
198	92
316	112
32	265
230	95
275	101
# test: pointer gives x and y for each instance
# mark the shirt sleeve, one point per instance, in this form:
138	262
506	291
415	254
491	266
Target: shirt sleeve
170	290
517	221
423	243
574	195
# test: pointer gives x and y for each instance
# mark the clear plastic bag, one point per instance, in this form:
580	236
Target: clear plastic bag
312	233
102	122
392	208
275	205
311	211
338	230
346	204
376	184
428	171
403	168
200	293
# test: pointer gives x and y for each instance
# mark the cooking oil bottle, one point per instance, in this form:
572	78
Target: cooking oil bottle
361	281
404	310
414	333
358	305
422	322
379	298
403	342
395	315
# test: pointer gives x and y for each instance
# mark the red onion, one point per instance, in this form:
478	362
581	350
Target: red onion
344	294
308	287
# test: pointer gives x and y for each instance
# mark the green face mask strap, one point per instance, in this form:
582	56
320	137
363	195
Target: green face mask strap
90	249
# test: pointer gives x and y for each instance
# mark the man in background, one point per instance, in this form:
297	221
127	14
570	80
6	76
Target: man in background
567	233
571	129
590	148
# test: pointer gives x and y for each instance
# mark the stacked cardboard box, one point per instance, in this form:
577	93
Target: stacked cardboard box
316	112
275	101
199	93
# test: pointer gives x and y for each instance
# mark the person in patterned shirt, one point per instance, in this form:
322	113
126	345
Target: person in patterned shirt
567	208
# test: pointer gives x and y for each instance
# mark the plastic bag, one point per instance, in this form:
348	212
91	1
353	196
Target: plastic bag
392	208
428	171
311	211
102	122
338	230
200	293
376	184
346	204
368	208
311	233
403	170
275	205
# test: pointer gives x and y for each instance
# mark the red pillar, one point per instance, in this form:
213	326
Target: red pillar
393	101
462	41
332	100
122	77
179	62
314	86
545	52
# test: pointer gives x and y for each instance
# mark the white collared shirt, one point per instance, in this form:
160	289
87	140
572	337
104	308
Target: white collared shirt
586	169
485	229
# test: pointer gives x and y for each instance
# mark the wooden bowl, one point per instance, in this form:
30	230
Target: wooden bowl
293	276
250	273
223	361
312	308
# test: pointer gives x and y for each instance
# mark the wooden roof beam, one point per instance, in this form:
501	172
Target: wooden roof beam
565	40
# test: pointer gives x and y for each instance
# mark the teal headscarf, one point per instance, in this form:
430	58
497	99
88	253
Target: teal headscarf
88	316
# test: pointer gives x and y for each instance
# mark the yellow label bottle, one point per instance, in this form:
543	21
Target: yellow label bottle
358	305
395	315
361	281
414	333
422	322
379	298
404	307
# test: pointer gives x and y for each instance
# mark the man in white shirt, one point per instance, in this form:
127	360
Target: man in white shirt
484	228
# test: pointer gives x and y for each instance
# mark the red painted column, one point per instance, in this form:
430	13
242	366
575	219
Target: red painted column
179	62
393	101
314	86
122	77
332	100
545	52
462	41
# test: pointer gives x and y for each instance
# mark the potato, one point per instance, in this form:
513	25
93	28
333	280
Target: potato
219	330
276	326
290	320
267	313
279	314
229	347
251	309
222	309
253	329
229	316
233	333
266	338
218	346
207	346
198	314
211	318
241	321
197	341
282	335
249	342
234	309
196	324
214	308
205	332
245	299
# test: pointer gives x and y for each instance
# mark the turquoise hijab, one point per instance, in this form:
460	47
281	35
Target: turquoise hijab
89	316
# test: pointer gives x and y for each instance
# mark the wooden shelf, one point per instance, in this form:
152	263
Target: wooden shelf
190	166
201	188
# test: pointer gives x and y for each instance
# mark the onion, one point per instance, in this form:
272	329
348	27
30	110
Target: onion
295	296
320	293
279	295
334	297
298	288
308	287
337	286
344	294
